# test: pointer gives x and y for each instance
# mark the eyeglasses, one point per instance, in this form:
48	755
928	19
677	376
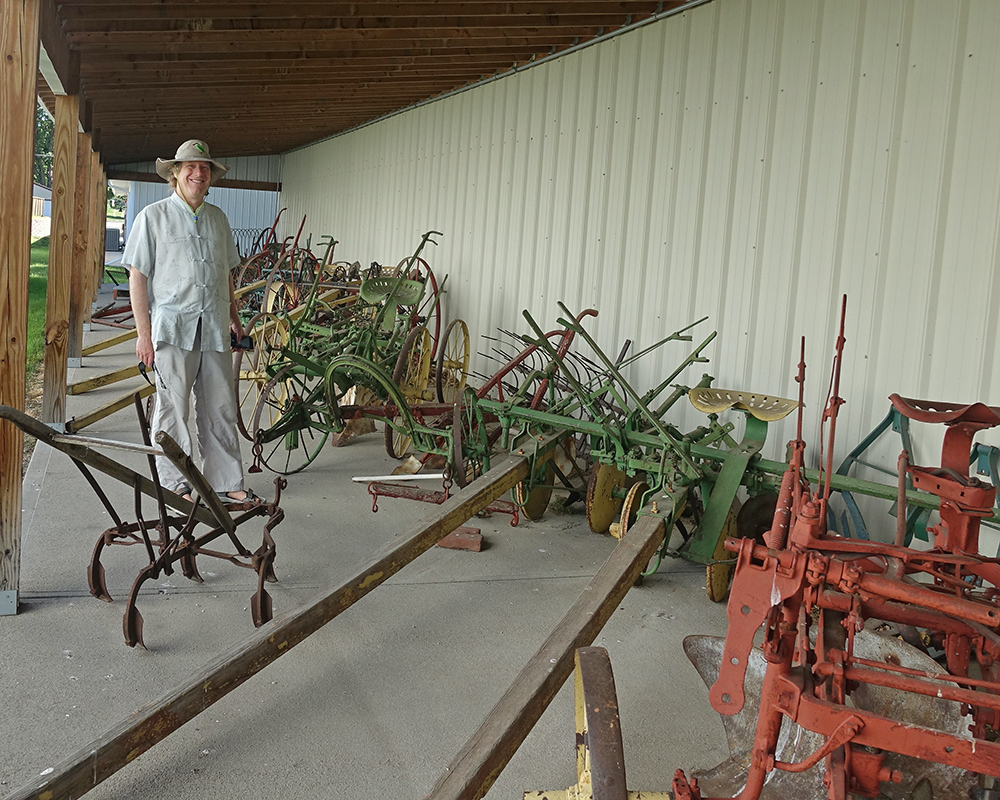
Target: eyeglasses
142	371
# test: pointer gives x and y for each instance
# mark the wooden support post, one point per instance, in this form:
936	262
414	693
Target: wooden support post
79	298
98	214
134	736
19	54
60	259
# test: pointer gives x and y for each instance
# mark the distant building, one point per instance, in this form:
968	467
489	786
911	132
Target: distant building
41	201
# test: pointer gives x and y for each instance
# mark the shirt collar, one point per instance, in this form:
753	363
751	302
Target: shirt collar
183	203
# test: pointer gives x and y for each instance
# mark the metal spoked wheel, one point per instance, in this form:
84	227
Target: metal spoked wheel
253	274
470	440
412	376
253	368
293	402
289	281
452	362
427	311
600	754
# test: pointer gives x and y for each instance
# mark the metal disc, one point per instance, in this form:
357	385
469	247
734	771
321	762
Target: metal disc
630	509
602	506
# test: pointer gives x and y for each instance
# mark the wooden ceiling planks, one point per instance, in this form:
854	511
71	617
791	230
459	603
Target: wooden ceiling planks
259	78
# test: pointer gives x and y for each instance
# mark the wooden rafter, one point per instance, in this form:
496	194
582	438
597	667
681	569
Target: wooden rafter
292	73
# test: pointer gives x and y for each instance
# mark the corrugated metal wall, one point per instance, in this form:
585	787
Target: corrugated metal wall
748	160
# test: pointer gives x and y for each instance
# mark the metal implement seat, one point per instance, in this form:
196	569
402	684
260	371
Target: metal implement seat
404	292
762	406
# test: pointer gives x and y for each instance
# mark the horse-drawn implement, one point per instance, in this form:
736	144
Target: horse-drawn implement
171	535
389	320
851	668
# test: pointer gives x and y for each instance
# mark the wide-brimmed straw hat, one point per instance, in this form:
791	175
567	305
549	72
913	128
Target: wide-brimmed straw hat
191	150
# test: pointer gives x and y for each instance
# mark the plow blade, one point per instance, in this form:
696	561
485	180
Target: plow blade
795	743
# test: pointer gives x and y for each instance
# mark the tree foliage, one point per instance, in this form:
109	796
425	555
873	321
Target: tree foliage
44	144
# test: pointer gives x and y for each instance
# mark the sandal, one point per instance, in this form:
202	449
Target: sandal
251	497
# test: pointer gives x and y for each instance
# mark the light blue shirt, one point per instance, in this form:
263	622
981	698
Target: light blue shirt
186	258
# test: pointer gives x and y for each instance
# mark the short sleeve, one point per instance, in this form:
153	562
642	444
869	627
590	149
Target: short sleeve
140	248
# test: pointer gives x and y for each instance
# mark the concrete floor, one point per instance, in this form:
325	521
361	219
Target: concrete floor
382	699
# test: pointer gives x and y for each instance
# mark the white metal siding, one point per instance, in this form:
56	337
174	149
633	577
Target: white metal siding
747	160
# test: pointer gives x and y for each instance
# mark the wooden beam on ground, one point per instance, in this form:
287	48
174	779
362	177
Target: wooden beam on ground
127	740
82	387
78	423
19	51
111	341
79	300
60	259
489	750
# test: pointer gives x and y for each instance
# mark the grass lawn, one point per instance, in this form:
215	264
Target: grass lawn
37	279
38	273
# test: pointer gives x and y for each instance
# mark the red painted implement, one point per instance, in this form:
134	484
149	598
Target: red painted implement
815	594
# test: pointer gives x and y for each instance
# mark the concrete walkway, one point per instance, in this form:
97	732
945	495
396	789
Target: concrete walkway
377	703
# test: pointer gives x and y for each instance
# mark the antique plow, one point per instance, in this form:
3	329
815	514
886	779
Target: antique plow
851	668
172	535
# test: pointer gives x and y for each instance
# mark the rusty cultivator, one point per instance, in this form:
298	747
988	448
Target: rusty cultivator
171	536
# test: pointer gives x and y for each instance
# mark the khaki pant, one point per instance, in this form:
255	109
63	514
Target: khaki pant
209	377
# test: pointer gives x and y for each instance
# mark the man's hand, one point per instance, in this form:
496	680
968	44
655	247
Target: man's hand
144	350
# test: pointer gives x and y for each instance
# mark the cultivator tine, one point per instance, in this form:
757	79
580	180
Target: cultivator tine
260	607
132	620
95	573
189	567
132	624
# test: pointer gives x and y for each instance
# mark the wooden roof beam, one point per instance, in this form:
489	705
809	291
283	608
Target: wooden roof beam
73	10
313	38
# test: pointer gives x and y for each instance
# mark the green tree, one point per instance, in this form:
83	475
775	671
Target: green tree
44	138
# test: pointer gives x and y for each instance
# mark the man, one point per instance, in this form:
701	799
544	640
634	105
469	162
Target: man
179	253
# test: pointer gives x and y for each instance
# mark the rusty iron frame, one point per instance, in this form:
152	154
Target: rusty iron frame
175	540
